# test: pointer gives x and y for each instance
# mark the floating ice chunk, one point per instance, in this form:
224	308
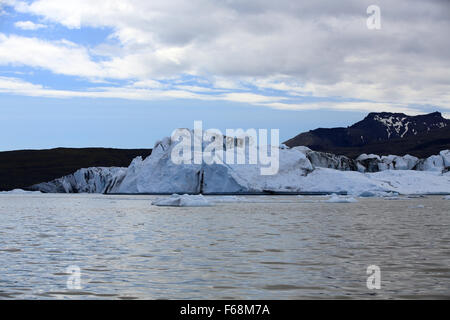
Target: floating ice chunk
371	194
446	198
419	206
85	180
415	196
377	194
184	200
337	199
368	194
19	191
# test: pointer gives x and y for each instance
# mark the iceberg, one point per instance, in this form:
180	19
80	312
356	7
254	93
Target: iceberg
301	170
158	174
378	194
86	180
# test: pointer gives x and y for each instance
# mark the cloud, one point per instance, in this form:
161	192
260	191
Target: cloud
29	25
286	48
137	91
17	86
345	106
60	57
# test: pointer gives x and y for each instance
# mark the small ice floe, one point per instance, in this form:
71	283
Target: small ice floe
19	191
305	199
446	197
184	200
338	199
377	194
368	194
420	206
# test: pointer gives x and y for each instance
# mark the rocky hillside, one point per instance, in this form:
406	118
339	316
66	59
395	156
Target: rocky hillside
23	168
382	133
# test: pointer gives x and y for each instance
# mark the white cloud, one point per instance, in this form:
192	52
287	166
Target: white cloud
17	86
29	25
136	92
59	57
295	48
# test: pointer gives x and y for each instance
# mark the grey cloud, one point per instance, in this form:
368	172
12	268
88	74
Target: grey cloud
310	42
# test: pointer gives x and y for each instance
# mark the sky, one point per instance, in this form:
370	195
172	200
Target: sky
126	73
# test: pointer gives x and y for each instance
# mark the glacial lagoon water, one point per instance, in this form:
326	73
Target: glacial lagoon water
261	247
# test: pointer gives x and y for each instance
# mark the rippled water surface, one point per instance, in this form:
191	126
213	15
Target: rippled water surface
280	247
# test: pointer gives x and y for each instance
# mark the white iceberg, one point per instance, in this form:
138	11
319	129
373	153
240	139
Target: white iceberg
376	194
419	206
301	170
159	174
184	200
86	180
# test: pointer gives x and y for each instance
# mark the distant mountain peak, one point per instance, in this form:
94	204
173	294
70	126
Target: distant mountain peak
378	128
400	125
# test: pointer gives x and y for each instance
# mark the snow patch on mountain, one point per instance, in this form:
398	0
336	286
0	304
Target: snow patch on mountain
393	123
401	124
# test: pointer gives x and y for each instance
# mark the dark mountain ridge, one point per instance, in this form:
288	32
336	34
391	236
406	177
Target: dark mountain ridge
23	168
382	133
